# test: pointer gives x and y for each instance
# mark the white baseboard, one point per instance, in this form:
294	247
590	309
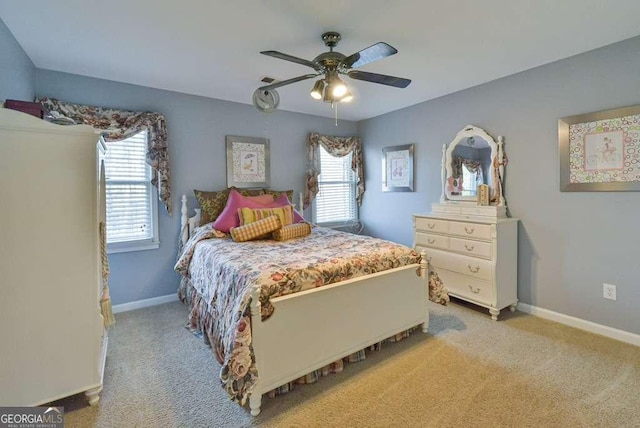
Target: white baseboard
613	333
145	303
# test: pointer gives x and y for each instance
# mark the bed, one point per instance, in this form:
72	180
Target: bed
283	316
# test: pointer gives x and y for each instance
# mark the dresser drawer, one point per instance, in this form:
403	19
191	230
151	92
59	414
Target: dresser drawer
470	230
466	287
471	248
433	241
471	266
432	225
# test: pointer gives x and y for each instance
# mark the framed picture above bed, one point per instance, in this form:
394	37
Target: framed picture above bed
247	162
397	168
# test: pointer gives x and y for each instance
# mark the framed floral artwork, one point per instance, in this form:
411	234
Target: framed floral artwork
247	162
600	152
397	168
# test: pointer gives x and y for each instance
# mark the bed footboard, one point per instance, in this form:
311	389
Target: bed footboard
328	323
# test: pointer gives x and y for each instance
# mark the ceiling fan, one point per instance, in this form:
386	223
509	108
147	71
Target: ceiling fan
330	88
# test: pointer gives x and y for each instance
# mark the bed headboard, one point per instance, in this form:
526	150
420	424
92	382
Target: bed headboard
189	224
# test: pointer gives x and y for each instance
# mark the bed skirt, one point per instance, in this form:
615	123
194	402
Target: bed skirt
201	324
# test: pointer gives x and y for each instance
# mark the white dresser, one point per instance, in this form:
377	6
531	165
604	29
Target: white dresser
474	251
52	339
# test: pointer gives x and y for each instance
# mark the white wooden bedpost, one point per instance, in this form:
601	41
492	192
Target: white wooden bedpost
501	169
184	232
301	201
424	274
443	173
255	399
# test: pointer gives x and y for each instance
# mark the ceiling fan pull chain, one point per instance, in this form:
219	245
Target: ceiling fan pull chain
335	106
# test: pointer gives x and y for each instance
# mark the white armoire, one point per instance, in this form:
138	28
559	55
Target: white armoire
52	338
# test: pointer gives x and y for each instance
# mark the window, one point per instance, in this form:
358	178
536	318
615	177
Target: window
335	203
469	181
132	215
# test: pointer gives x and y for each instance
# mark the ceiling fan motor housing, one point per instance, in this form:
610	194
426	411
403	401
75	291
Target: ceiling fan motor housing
329	60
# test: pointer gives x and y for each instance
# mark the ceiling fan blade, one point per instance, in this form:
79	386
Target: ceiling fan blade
397	82
291	58
287	82
372	53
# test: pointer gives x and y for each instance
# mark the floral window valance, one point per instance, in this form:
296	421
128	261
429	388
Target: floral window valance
473	166
120	124
338	147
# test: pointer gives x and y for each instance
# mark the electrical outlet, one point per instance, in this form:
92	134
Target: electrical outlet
609	291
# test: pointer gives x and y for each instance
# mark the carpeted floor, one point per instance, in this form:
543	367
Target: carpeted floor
468	371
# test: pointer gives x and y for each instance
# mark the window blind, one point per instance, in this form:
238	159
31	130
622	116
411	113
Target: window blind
128	190
336	199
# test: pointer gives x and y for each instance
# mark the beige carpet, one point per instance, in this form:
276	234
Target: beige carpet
469	371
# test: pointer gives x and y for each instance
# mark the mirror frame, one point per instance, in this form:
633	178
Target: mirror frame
496	153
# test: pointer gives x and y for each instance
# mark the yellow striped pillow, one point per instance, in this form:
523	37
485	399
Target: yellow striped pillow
251	215
258	229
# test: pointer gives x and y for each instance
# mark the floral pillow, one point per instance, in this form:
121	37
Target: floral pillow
211	204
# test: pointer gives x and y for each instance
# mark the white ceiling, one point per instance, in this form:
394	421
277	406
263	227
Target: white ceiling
211	47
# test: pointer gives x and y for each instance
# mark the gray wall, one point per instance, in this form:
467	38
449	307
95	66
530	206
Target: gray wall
569	243
17	72
197	127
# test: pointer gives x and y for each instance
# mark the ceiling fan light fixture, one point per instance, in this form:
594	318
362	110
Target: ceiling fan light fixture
348	96
338	88
317	91
328	96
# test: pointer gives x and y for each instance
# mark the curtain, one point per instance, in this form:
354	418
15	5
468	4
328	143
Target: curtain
120	124
473	166
338	147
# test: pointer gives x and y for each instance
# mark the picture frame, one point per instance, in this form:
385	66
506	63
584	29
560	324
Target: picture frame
248	162
397	168
600	152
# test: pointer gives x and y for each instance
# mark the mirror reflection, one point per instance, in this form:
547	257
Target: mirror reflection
472	158
470	166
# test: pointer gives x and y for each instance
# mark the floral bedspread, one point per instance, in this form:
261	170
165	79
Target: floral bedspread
223	274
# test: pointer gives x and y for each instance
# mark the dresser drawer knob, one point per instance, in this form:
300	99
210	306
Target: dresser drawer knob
469	230
431	225
469	247
474	291
431	241
473	269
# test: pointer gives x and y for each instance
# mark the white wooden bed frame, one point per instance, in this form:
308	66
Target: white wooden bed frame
353	314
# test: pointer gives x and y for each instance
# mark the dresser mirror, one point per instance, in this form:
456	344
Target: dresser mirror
471	159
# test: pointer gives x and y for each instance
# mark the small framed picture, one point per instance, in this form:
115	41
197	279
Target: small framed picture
397	168
247	162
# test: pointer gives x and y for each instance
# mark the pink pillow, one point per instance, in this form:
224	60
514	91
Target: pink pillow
228	218
261	199
282	201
